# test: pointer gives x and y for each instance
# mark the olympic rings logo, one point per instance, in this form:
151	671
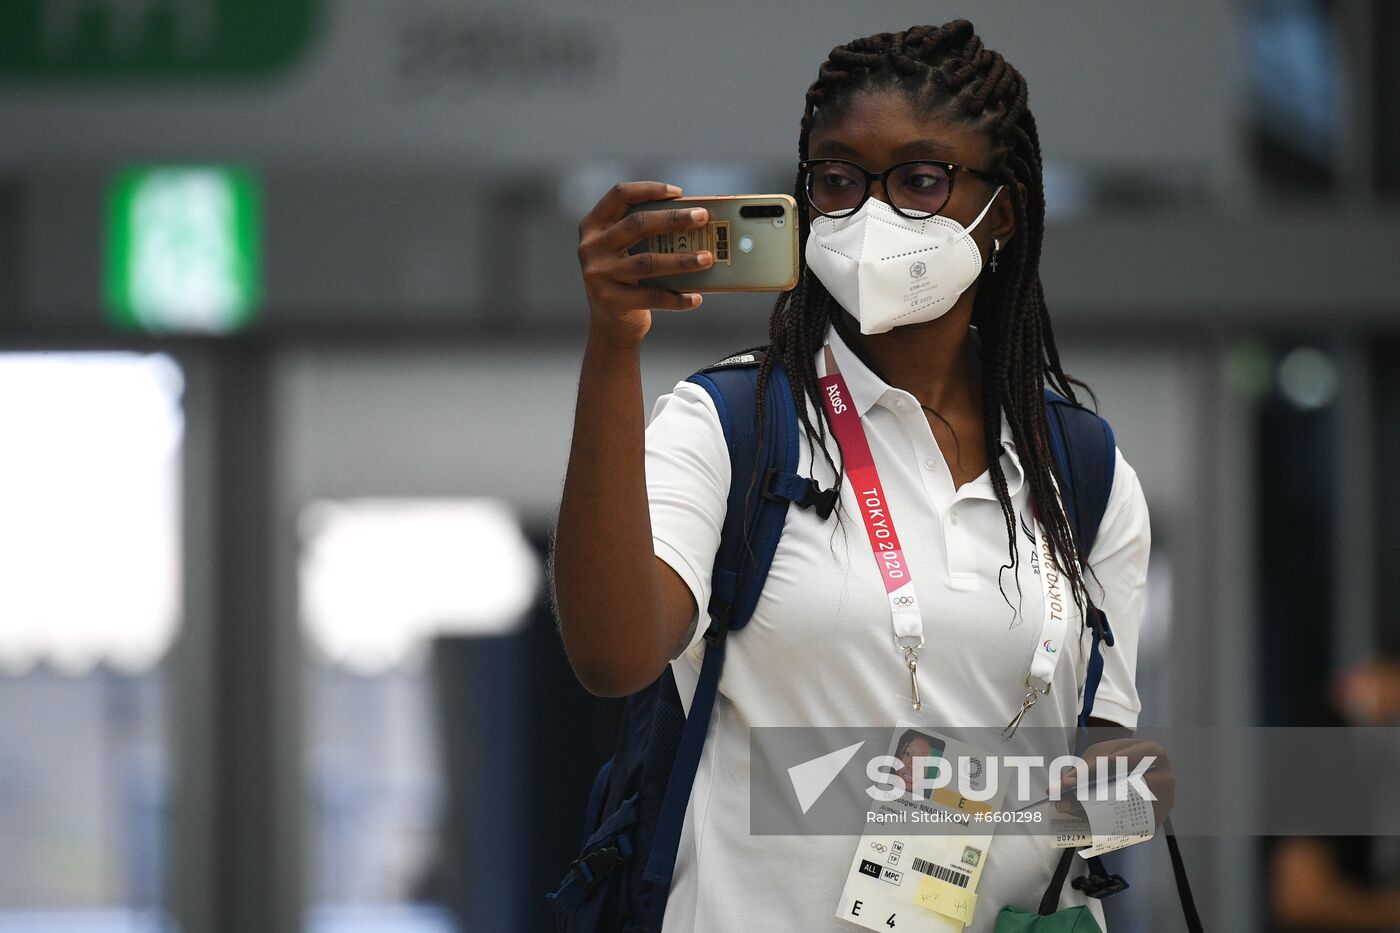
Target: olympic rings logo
902	602
878	847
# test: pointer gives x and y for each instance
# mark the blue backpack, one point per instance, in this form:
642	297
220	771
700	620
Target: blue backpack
622	878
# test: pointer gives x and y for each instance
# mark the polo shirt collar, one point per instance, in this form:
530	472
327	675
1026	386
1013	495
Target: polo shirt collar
866	388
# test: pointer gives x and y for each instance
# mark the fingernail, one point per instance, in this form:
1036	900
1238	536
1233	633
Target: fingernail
672	190
703	257
698	215
694	297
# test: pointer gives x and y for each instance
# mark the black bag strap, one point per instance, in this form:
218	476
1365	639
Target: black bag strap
1183	885
1050	900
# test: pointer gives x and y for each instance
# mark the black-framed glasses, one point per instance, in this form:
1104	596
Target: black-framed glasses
916	189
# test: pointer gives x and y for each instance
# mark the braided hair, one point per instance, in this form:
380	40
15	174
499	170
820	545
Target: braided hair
948	70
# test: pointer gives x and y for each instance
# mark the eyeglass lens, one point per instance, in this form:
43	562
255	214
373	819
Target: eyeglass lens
918	187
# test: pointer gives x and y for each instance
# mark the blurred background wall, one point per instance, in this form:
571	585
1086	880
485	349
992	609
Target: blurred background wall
290	326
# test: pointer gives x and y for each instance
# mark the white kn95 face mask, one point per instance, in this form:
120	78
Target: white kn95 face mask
888	270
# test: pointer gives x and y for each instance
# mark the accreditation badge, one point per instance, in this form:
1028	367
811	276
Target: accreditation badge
917	866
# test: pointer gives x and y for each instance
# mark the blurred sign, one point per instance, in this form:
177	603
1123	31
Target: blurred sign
512	47
525	86
108	38
184	249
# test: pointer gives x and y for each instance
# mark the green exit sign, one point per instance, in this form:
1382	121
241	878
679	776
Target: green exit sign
184	249
150	38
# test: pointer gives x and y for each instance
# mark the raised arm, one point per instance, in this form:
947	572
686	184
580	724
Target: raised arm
622	611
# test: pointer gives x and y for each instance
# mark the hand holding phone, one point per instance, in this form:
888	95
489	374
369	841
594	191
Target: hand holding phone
619	302
752	237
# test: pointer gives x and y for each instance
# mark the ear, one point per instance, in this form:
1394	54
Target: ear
1002	216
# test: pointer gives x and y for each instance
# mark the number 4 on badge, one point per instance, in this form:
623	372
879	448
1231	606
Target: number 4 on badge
855	912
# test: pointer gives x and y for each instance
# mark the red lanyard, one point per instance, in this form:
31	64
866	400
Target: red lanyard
879	524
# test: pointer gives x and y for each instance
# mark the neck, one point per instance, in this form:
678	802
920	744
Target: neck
935	361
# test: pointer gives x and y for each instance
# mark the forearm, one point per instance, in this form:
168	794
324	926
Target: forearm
605	574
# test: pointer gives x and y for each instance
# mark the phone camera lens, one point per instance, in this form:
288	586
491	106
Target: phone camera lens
761	210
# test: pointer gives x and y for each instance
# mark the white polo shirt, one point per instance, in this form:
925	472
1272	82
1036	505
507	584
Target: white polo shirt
818	650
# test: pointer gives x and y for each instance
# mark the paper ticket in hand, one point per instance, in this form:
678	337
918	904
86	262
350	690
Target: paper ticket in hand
1118	823
1071	832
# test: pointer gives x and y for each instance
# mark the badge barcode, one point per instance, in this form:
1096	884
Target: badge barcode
939	872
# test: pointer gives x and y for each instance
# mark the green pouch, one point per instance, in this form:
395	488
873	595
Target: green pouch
1048	919
1069	920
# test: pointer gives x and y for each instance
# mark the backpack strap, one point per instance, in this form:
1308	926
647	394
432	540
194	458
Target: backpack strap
741	563
759	496
1085	454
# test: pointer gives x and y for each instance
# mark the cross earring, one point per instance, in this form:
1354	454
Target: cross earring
996	248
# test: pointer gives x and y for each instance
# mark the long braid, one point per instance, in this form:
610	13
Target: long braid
948	68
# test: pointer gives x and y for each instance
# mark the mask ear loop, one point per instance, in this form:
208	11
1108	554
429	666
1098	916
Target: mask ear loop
985	209
996	244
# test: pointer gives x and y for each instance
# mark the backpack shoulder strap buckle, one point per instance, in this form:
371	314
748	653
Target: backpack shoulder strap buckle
1098	621
717	632
801	490
594	867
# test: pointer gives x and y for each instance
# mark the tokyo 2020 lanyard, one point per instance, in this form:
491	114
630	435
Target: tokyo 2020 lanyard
889	556
879	526
1052	628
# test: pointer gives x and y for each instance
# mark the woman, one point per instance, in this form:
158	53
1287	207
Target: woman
949	395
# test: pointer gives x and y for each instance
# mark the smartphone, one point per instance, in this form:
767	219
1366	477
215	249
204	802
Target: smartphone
753	238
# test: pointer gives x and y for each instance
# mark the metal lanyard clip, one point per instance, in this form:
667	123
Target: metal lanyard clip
911	655
1032	694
